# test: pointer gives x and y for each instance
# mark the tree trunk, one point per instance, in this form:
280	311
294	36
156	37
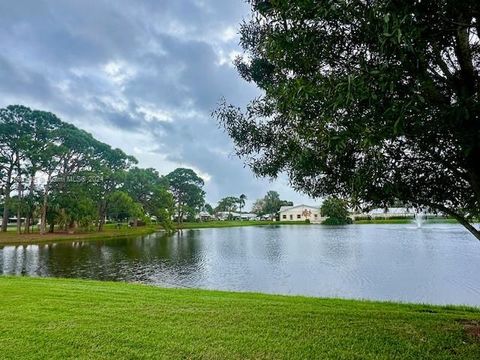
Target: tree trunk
19	220
43	224
6	201
29	215
43	217
101	223
474	172
473	230
26	229
72	226
101	214
5	209
179	214
179	217
20	199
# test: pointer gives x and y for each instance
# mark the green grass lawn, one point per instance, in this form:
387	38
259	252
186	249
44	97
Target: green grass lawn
61	319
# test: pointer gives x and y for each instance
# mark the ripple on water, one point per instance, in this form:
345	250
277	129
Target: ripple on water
435	263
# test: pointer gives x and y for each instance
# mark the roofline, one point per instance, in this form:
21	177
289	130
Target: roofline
301	205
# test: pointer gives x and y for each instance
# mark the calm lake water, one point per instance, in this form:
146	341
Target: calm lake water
437	264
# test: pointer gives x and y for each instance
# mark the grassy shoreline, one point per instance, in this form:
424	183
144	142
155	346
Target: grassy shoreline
222	224
12	238
225	224
58	319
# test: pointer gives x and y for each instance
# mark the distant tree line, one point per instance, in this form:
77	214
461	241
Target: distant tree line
61	176
268	205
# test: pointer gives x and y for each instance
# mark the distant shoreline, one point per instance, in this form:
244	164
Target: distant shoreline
12	238
225	224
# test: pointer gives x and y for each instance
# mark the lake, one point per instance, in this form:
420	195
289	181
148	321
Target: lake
437	264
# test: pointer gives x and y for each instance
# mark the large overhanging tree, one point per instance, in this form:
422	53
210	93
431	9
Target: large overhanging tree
376	101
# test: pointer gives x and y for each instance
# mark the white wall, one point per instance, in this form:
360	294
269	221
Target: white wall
299	214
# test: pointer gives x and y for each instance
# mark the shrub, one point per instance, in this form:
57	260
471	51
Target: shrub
363	217
401	217
337	211
337	221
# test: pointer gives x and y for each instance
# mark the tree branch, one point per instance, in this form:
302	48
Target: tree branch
473	230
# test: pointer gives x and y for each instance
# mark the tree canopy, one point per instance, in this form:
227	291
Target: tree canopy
228	204
208	208
122	207
187	190
375	101
241	201
270	204
336	211
52	171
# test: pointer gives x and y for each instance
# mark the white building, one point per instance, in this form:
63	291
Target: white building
382	213
226	215
248	216
301	213
204	216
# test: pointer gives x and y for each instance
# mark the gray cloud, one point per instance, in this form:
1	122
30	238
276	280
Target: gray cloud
143	76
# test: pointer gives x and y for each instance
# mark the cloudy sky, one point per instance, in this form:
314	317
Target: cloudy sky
140	75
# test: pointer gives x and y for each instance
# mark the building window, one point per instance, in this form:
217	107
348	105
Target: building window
284	216
316	216
299	216
291	217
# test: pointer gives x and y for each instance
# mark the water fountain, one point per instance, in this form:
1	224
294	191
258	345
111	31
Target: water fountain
419	219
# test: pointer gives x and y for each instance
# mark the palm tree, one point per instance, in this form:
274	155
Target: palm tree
241	201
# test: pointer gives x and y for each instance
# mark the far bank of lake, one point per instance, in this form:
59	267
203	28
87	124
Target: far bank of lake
111	231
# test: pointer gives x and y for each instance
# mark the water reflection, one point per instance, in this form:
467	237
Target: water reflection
435	264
